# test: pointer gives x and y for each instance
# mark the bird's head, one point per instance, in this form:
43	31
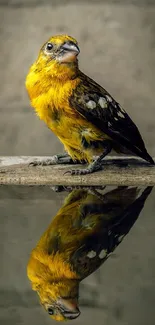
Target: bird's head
59	55
60	299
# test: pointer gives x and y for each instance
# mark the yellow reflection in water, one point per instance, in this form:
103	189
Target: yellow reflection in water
86	229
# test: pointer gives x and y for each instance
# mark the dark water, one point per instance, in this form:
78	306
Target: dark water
120	291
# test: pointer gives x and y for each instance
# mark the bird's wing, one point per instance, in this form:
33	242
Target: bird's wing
96	248
95	104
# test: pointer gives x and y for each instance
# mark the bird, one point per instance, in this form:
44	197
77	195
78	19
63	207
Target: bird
82	114
85	231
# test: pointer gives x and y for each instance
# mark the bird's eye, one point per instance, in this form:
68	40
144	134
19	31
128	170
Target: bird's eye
50	311
49	46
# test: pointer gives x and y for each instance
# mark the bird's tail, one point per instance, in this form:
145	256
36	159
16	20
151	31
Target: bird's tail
138	152
146	156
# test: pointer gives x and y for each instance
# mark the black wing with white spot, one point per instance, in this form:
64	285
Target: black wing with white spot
96	248
97	106
90	255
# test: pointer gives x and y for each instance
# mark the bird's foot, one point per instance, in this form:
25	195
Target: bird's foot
63	158
57	188
100	196
42	162
93	167
65	188
59	159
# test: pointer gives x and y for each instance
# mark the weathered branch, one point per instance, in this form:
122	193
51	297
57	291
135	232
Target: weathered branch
116	171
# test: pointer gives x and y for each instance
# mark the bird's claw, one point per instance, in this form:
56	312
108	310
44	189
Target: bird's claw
62	159
56	159
68	172
73	172
46	162
76	172
34	163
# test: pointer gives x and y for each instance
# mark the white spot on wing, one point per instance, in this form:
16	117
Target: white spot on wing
102	254
120	114
120	238
102	102
91	254
108	98
109	124
91	104
121	109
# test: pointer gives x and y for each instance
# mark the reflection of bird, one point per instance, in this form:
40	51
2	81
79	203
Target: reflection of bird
79	239
86	119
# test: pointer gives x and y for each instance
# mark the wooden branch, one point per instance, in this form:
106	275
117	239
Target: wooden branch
116	171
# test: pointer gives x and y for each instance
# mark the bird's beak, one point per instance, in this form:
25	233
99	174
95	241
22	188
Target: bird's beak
71	48
69	308
68	52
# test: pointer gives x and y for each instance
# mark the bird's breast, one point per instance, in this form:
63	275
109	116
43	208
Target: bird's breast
52	105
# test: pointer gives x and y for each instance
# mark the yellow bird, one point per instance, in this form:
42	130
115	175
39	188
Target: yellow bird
83	115
87	228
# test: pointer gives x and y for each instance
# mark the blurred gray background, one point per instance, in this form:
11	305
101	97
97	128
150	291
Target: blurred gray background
117	41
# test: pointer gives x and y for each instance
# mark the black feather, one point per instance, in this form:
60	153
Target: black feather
111	119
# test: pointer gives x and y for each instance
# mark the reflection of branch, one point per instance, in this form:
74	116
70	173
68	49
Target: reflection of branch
116	171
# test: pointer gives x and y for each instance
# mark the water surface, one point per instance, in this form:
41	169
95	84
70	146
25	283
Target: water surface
121	291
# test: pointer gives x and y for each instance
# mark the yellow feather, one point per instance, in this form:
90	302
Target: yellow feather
50	86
